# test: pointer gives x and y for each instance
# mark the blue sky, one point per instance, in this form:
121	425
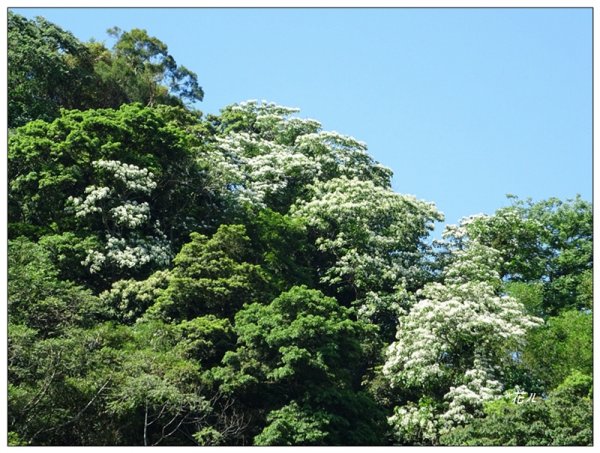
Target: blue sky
465	105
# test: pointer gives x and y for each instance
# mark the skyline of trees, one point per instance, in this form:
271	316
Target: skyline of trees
249	278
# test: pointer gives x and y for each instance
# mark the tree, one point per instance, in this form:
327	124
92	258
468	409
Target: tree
50	69
371	244
548	242
300	355
40	300
212	276
144	71
564	418
124	180
117	385
563	345
452	345
266	157
293	425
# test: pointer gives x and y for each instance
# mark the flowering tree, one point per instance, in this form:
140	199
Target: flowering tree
132	239
250	278
453	343
267	157
125	180
546	244
371	241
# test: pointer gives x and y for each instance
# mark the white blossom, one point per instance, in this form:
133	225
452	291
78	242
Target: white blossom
84	206
95	260
135	178
415	424
467	400
131	240
279	150
374	233
131	214
137	251
464	316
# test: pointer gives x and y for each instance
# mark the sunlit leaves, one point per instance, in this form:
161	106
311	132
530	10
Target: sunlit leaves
454	342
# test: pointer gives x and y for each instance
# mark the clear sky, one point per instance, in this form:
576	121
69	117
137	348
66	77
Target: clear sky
465	105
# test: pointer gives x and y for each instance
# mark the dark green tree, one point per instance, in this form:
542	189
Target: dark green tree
50	69
299	361
212	276
40	300
142	69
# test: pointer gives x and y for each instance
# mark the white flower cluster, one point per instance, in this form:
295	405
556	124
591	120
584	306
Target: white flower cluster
127	243
260	168
284	130
374	232
271	173
99	199
465	313
475	263
256	108
135	178
462	229
452	314
424	423
89	204
467	400
138	251
373	304
415	424
342	156
94	260
281	149
131	214
131	297
131	252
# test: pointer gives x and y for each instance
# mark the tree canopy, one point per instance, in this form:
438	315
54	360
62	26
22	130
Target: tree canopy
249	278
50	69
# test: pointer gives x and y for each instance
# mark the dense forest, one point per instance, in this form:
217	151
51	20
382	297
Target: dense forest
249	278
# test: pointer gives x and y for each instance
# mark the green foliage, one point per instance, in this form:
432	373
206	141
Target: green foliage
206	339
122	179
212	276
564	418
302	336
302	347
143	71
145	379
293	425
531	295
281	244
128	300
250	278
563	345
50	69
39	299
548	242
